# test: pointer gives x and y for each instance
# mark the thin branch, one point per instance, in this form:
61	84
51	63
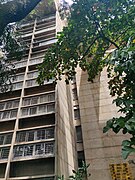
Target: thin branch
85	53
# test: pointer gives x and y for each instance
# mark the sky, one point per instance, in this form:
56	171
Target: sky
69	1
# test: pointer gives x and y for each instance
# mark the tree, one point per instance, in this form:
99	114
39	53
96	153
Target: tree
80	174
11	11
95	26
14	10
121	71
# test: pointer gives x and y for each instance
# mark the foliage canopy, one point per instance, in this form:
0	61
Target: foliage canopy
95	27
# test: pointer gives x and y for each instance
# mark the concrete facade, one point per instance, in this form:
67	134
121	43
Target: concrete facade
96	108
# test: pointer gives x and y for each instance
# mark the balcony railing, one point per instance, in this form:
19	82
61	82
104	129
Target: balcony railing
38	99
37	110
33	82
34	135
9	104
5	115
35	61
34	150
20	64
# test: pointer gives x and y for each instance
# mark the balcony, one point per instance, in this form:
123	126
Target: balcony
35	135
33	83
20	64
9	104
45	98
36	61
9	114
38	110
34	150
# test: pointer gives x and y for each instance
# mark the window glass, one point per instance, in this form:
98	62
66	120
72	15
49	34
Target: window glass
6	115
1	139
21	136
9	105
26	101
50	108
34	100
16	103
33	110
4	152
42	109
25	111
13	113
77	113
79	133
2	105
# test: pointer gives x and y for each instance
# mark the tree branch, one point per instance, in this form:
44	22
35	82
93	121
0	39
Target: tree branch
14	11
85	53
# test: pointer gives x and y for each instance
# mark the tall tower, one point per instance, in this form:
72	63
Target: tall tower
34	144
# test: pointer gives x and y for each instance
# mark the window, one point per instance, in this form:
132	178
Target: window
81	158
18	78
32	74
26	102
34	100
79	133
75	97
36	61
51	97
49	148
76	113
17	85
43	98
2	105
7	139
49	133
25	111
39	99
6	115
21	137
50	107
13	113
30	83
33	110
8	104
1	139
40	134
15	103
42	109
30	136
4	152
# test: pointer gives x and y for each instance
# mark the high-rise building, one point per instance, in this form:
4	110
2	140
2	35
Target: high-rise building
46	131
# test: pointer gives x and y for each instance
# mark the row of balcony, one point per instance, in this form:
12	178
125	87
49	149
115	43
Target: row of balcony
29	151
27	136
